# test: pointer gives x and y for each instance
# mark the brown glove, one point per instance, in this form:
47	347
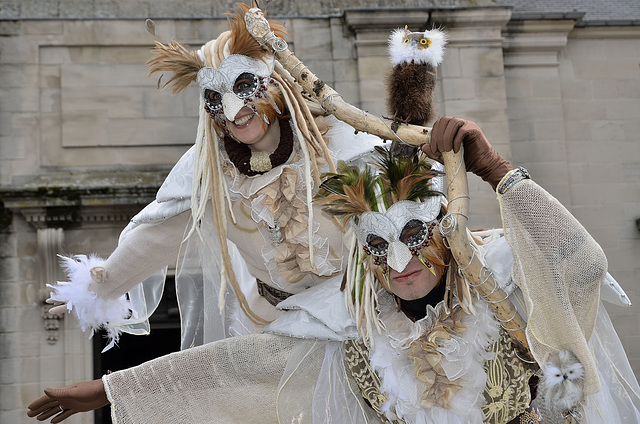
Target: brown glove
67	401
480	157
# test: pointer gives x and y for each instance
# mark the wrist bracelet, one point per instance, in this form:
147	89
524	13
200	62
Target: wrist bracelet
512	178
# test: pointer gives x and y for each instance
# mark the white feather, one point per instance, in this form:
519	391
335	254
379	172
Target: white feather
400	53
93	312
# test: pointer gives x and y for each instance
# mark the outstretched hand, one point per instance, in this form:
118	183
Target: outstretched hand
58	308
480	157
67	401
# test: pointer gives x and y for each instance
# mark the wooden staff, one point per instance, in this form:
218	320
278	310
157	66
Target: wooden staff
475	272
458	190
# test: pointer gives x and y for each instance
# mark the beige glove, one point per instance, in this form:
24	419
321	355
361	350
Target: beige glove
480	157
67	401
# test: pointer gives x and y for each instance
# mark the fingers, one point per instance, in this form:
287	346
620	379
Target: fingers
46	411
63	416
59	309
41	402
432	149
45	407
452	138
443	137
37	407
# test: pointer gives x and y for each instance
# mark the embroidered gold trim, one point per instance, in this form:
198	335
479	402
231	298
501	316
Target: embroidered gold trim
507	393
357	360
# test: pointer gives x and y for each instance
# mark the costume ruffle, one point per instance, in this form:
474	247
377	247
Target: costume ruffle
448	358
278	196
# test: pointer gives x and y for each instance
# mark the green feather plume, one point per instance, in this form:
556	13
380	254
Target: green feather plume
353	190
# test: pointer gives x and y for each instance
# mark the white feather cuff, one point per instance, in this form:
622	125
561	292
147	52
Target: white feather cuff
93	313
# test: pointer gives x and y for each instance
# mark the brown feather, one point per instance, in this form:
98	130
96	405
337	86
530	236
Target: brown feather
357	196
404	185
352	202
242	42
410	96
174	58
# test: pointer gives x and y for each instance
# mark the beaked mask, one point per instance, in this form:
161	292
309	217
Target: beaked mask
397	233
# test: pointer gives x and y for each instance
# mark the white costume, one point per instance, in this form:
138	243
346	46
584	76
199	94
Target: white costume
273	378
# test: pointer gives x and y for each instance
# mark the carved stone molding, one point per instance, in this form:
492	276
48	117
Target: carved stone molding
59	206
535	43
51	324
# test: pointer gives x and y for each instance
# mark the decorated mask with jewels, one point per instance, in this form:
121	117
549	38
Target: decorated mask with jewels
396	235
392	206
236	83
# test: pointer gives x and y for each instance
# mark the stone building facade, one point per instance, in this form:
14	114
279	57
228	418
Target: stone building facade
86	138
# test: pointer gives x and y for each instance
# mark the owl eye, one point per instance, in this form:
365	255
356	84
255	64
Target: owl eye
558	375
425	42
406	40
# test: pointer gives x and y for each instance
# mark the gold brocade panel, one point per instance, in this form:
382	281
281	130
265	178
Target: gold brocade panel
507	392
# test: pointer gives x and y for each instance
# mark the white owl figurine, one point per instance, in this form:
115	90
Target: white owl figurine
419	47
560	387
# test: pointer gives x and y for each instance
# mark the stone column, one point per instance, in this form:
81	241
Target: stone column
536	118
472	86
49	247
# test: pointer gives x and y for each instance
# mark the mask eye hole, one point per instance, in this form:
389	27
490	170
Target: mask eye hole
414	233
213	100
246	85
212	97
377	245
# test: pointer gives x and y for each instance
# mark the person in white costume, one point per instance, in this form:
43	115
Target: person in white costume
429	349
235	213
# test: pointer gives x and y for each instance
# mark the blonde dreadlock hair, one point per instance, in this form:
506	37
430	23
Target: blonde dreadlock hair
209	179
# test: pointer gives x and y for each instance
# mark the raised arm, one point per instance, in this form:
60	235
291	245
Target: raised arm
96	289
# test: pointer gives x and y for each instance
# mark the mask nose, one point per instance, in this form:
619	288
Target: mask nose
398	255
231	105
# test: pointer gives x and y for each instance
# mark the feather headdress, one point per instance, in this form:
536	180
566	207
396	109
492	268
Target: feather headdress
390	179
185	64
354	191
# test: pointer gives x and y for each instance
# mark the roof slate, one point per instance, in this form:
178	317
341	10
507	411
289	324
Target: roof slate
596	12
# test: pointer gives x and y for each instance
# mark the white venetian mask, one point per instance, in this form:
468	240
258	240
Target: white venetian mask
235	83
404	227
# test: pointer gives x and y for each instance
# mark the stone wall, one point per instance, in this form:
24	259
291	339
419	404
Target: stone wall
573	103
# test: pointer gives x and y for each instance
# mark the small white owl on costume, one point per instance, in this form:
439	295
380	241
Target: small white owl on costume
560	389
